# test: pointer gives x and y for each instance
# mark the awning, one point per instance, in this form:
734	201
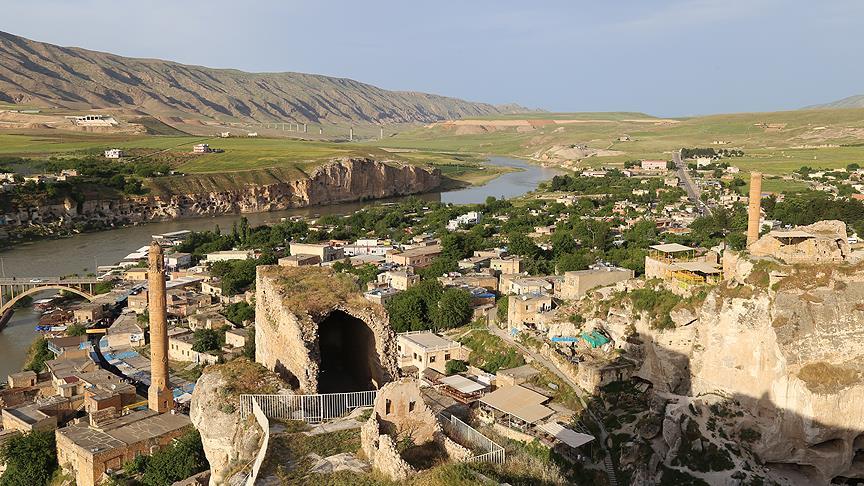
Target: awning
671	248
462	384
570	437
519	402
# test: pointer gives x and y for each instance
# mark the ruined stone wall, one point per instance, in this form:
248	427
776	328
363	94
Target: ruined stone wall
287	337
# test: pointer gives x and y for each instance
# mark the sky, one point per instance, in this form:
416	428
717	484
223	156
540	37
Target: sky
662	57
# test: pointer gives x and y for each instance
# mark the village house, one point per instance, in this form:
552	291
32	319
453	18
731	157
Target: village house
201	148
236	338
299	261
528	310
425	349
655	165
326	252
469	218
418	257
180	349
114	153
577	283
507	265
398	279
229	255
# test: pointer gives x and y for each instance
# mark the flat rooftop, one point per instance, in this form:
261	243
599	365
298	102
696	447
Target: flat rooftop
427	340
128	429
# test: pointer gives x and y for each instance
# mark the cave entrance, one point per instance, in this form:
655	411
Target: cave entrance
348	357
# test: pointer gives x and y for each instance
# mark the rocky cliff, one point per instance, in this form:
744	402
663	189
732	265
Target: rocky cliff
762	372
230	441
343	180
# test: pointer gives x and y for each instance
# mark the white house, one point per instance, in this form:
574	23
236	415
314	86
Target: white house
114	153
471	217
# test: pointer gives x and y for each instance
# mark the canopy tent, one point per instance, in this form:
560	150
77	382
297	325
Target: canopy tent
570	437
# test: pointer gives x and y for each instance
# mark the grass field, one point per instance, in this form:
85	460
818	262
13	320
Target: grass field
244	160
776	149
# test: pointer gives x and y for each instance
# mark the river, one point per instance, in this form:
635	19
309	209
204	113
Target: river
82	253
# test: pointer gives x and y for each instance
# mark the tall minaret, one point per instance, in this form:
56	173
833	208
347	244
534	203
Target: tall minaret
159	397
754	207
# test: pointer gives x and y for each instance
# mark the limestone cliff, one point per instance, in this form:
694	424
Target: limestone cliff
309	318
343	180
230	442
780	347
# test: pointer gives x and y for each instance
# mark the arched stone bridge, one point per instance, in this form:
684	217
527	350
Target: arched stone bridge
14	289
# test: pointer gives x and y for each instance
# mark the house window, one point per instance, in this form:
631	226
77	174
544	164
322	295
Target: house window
431	359
411	405
387	406
446	356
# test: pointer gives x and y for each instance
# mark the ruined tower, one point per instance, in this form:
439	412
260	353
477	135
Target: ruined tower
158	396
754	207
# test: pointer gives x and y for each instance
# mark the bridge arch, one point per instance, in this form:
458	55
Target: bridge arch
35	290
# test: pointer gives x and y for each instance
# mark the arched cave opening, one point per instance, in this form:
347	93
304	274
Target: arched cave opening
348	357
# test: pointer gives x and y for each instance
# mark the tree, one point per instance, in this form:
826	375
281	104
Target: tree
103	287
30	459
455	366
453	310
76	330
239	313
407	311
503	309
520	244
207	340
184	458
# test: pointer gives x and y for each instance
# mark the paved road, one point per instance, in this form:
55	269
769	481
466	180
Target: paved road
689	186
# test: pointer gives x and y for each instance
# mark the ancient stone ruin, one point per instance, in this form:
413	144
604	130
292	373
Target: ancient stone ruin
403	434
315	329
820	242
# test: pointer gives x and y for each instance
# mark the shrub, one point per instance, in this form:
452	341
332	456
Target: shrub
183	458
455	366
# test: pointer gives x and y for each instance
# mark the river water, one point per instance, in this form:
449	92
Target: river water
82	253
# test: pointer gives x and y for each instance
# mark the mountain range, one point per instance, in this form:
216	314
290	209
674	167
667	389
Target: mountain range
46	75
856	101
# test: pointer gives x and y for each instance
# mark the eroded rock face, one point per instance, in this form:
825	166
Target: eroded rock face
295	307
794	359
343	180
229	441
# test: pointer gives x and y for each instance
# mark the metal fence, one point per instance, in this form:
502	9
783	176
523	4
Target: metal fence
489	450
311	409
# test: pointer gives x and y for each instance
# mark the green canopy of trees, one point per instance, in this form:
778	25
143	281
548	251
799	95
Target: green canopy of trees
30	459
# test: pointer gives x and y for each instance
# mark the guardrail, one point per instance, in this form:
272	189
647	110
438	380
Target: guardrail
494	453
312	409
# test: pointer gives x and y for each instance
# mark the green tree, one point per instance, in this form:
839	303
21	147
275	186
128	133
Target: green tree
453	309
407	311
503	309
183	458
76	330
455	366
239	313
30	459
207	340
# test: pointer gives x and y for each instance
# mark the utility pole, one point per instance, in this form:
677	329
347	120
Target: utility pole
304	129
351	134
381	134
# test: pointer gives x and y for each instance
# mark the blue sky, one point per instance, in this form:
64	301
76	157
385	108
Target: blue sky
664	57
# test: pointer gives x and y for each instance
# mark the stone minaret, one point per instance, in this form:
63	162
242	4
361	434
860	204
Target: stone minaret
158	396
754	207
